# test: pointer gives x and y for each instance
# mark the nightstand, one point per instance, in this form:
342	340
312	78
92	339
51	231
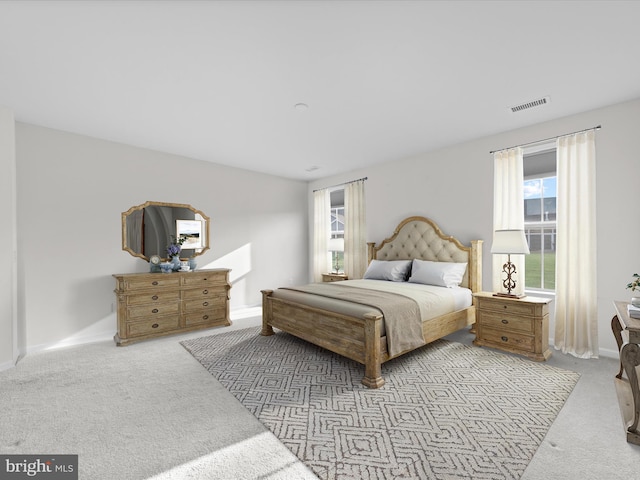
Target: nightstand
516	325
334	277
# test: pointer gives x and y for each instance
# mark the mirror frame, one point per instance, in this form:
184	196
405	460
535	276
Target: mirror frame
126	248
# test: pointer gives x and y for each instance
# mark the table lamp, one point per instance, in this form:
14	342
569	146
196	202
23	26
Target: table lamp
509	242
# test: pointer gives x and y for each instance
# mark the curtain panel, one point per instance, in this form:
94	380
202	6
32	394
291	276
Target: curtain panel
508	211
355	235
576	326
321	233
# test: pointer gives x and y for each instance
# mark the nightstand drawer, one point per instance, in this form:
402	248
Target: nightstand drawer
334	277
512	339
508	307
505	322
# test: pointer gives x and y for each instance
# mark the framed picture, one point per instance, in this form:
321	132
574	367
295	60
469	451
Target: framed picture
193	230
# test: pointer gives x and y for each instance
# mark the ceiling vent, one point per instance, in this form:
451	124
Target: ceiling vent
534	103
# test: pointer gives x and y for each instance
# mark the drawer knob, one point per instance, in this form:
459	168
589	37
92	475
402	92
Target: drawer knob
504	306
204	304
154	282
155	310
155	297
205	291
504	339
155	325
205	317
505	321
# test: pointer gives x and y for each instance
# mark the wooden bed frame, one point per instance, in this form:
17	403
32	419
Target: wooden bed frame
359	338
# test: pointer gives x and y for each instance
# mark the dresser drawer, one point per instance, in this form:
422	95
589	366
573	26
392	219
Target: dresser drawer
154	297
507	307
152	311
203	293
161	324
217	315
204	279
195	305
153	281
515	340
506	322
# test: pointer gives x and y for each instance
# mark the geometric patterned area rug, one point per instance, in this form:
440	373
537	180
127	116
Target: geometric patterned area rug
446	411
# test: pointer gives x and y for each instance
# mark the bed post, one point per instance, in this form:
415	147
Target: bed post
372	354
370	251
267	329
475	264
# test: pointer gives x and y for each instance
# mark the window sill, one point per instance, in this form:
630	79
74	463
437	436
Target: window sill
541	293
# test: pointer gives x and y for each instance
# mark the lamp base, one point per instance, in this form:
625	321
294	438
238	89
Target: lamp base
508	295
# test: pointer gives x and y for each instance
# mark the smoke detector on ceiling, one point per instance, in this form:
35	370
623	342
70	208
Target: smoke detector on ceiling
533	103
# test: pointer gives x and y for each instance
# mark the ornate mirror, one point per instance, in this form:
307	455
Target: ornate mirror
149	228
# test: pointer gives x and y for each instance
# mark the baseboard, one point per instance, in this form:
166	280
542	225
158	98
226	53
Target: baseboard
70	343
6	366
608	353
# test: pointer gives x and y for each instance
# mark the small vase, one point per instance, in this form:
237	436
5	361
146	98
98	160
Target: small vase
192	263
635	301
176	263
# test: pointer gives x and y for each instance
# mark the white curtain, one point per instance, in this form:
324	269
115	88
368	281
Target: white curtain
355	235
508	211
321	233
576	329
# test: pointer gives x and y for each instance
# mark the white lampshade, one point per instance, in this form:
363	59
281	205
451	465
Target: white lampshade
336	244
509	241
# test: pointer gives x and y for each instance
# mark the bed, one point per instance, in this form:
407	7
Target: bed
325	315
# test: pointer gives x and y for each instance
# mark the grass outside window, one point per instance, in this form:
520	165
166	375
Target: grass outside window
534	268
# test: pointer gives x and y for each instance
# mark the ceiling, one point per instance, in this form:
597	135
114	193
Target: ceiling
218	81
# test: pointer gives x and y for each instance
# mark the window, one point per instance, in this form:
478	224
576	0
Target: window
540	222
336	242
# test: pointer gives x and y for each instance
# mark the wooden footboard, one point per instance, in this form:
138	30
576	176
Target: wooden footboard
356	338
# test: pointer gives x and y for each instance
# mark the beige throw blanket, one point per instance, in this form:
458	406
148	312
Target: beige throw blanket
402	320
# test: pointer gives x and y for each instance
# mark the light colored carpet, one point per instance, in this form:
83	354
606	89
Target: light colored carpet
447	410
147	411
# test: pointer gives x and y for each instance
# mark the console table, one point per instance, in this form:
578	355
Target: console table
626	330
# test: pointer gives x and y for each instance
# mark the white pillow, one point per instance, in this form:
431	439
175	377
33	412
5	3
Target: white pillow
393	270
442	274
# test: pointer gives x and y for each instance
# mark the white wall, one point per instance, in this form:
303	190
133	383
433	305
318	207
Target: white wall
454	187
8	268
72	190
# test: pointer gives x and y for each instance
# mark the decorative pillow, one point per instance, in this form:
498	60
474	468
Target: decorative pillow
393	270
442	274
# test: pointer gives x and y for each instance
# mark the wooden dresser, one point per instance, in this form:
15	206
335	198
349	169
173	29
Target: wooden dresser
156	304
516	325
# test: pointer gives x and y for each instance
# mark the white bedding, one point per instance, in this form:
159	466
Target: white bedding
433	301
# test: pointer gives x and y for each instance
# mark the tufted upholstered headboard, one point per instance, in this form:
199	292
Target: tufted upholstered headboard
421	238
